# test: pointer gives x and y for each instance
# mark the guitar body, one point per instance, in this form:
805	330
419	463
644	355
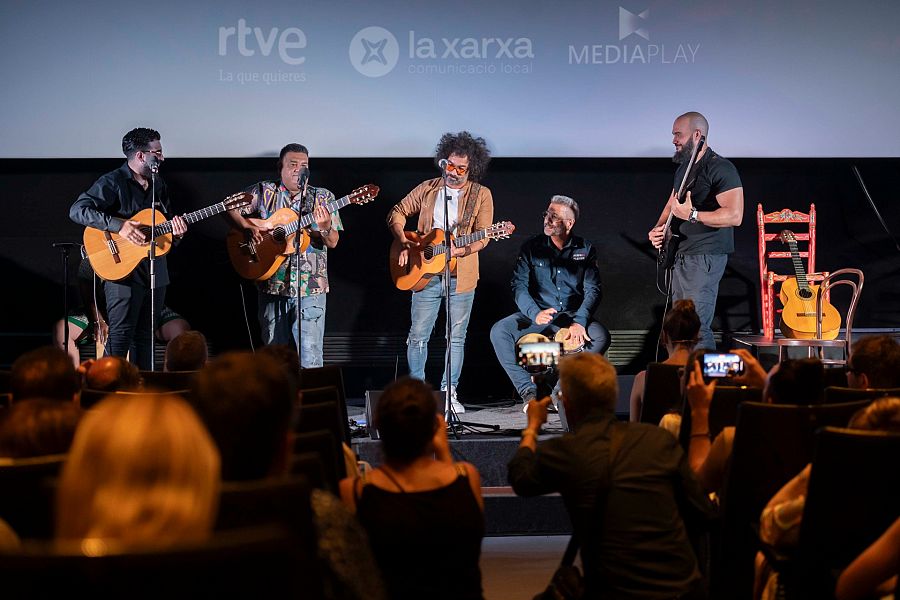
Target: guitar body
260	261
671	239
798	318
113	257
421	266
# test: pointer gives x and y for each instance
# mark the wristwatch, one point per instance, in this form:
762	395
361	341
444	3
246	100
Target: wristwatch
693	217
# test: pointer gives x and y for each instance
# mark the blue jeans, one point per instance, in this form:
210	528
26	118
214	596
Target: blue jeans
278	322
423	312
128	311
697	276
506	332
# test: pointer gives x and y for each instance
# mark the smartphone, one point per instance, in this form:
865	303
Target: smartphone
722	365
539	356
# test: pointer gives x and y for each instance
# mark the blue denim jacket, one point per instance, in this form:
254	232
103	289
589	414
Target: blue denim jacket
567	280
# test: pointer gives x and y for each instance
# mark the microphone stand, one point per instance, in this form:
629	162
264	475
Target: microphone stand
154	169
302	181
64	247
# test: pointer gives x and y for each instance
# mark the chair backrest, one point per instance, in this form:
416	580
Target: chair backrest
26	495
309	466
282	501
772	443
91	397
328	393
323	444
323	417
853	496
168	380
723	410
777	221
5	400
258	562
845	394
662	392
320	377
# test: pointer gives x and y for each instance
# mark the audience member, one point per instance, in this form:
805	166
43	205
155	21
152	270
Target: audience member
422	511
799	382
287	356
246	401
779	525
187	352
680	332
43	373
874	363
627	486
142	471
874	572
38	427
111	374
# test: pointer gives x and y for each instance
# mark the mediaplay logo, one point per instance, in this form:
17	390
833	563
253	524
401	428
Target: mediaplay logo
374	51
633	47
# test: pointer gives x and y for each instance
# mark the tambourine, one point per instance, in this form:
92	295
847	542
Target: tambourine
568	344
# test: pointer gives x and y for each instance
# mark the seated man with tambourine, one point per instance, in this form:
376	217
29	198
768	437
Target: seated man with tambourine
556	284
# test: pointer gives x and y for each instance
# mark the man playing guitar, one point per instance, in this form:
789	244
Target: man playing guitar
714	204
471	207
109	205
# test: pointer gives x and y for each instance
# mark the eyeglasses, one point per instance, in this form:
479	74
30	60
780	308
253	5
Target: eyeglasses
458	169
156	152
552	217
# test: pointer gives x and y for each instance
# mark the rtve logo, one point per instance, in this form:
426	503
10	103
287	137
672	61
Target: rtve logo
290	42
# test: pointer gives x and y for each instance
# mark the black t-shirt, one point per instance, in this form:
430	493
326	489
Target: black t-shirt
714	176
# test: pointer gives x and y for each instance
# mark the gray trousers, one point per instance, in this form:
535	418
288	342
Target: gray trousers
697	276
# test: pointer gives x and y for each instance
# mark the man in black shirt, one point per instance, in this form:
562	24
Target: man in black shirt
713	206
628	488
109	205
556	284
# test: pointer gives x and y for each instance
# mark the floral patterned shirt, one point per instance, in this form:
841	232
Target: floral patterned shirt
270	196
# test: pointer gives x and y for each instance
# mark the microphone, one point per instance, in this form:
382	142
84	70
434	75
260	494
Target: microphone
442	164
302	177
153	163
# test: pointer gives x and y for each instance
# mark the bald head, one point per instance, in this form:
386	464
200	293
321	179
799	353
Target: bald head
694	121
111	374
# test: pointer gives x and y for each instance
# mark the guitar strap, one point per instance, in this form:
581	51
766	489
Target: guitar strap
465	225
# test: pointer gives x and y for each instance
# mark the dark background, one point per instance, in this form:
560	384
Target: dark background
367	318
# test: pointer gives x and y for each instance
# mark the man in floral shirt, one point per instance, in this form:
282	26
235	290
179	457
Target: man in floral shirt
307	277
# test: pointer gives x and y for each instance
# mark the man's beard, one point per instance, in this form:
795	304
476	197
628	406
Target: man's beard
685	153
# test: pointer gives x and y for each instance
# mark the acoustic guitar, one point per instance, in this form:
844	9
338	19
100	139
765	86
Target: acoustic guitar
114	258
798	318
427	258
259	261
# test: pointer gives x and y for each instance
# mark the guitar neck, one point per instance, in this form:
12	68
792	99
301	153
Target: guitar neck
802	283
465	240
193	217
307	220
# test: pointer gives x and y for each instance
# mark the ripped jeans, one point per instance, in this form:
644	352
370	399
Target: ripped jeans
278	324
423	312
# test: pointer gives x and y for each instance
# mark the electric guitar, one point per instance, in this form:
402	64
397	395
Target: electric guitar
671	233
113	257
427	258
259	261
798	318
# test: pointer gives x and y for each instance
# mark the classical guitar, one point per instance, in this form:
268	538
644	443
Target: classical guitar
113	257
798	318
427	258
259	261
671	233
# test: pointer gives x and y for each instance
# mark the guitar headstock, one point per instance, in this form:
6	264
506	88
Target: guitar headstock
363	194
787	236
239	200
500	231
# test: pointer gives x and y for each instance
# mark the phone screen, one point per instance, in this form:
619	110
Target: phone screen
722	365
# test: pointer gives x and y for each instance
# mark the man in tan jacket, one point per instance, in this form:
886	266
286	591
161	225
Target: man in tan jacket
464	160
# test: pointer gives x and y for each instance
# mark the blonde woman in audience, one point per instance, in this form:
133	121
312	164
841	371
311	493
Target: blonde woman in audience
142	471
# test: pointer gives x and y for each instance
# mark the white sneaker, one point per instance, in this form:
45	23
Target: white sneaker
457	406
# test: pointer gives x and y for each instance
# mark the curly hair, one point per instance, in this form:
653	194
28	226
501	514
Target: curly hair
464	144
138	139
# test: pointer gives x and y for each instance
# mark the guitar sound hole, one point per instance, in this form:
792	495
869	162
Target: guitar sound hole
805	294
278	234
